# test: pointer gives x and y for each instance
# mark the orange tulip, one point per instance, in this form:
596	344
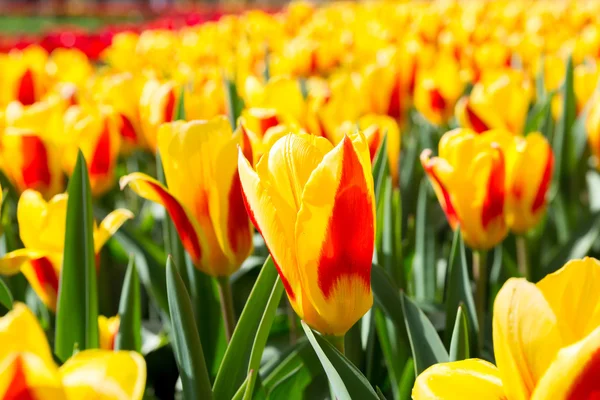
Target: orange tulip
203	197
468	179
308	199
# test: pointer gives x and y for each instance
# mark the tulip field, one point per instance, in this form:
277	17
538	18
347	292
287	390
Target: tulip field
353	200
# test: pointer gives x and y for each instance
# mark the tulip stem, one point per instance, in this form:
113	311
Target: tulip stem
337	342
522	260
480	273
226	305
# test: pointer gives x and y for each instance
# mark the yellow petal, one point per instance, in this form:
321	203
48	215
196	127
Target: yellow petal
574	372
104	375
25	375
573	293
11	263
467	379
109	225
526	337
41	223
107	330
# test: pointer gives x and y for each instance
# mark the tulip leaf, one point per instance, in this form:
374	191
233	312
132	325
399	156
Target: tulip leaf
6	297
235	104
459	345
262	334
394	353
561	142
426	346
424	261
235	363
343	376
129	336
180	110
380	168
186	340
407	380
538	117
77	307
291	386
458	291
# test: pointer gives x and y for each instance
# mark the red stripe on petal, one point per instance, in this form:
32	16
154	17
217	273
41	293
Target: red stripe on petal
18	389
446	202
246	145
476	123
540	197
437	101
267	121
127	130
395	107
374	143
100	163
45	274
169	112
184	226
35	162
349	240
238	229
26	90
493	204
284	281
587	384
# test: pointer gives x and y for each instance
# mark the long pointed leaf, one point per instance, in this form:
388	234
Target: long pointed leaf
77	308
6	298
424	261
129	336
186	341
459	345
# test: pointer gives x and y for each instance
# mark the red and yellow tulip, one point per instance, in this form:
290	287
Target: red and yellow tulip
592	125
468	177
42	231
545	346
23	75
204	197
307	199
92	129
158	104
28	371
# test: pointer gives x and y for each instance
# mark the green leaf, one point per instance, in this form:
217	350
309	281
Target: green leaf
77	307
538	116
458	291
292	386
394	354
180	110
237	357
6	298
561	144
301	356
459	345
380	168
424	261
343	376
186	340
427	348
235	104
262	333
129	336
407	380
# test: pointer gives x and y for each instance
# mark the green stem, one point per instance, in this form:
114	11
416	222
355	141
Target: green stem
291	314
226	305
480	274
337	342
522	260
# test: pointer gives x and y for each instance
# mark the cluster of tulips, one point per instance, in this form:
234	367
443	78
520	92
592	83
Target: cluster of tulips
312	152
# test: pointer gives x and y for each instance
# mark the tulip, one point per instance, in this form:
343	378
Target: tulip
314	205
468	179
93	130
592	125
42	231
158	103
107	331
69	65
499	103
30	154
545	347
28	370
23	75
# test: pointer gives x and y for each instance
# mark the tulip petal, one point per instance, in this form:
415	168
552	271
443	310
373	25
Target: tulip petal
526	337
574	372
43	273
26	376
186	226
11	263
573	293
335	237
109	225
107	331
41	223
101	374
439	171
20	331
467	379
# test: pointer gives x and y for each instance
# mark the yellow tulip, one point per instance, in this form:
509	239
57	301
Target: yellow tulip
30	154
42	231
546	343
468	179
28	371
69	65
307	199
93	130
158	103
203	198
529	165
499	103
107	331
23	76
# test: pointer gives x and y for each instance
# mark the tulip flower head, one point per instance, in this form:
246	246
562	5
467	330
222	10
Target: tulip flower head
28	371
204	197
107	331
314	205
42	231
468	178
23	75
158	103
545	346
